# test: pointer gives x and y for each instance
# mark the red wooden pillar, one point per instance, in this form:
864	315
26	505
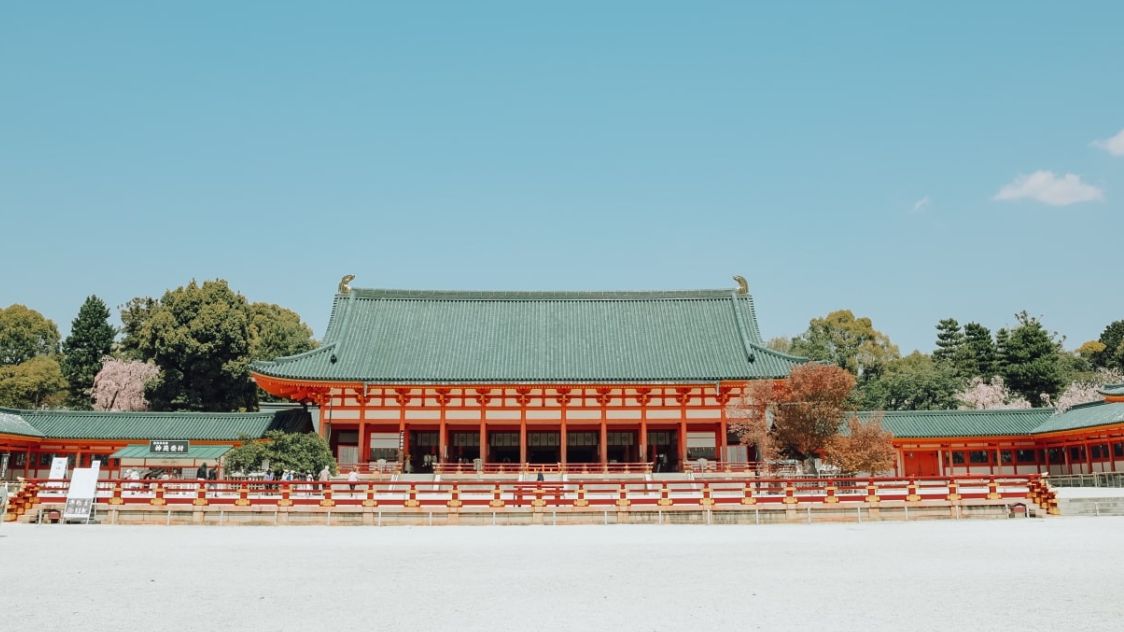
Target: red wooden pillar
563	434
26	461
604	442
1065	456
1089	457
364	443
442	429
483	440
522	436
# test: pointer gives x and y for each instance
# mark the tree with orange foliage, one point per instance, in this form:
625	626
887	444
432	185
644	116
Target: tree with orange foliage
796	417
866	447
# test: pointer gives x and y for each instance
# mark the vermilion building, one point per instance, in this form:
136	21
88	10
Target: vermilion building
578	379
609	381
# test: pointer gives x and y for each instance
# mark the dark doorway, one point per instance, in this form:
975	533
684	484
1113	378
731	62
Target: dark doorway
663	448
503	447
544	447
583	446
464	447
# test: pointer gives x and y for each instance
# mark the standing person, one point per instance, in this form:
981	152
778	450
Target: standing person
201	473
352	477
325	476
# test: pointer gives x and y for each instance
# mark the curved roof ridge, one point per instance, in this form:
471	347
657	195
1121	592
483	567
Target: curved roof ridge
536	295
959	411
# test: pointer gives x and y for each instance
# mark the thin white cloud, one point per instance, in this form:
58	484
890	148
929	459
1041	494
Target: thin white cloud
920	205
1114	145
1048	188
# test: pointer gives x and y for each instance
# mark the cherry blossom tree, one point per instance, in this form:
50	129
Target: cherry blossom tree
119	385
981	394
1087	390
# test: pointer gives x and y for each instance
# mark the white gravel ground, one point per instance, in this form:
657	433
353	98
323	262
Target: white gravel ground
1063	574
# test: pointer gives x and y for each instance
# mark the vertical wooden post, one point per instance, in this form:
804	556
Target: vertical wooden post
522	436
683	444
604	442
483	440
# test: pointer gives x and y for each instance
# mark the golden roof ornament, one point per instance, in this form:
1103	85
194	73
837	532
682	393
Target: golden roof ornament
743	285
345	284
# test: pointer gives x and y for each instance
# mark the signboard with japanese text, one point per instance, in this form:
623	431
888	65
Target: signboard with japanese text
82	492
168	446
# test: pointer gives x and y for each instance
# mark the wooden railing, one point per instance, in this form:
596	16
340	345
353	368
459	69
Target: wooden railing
700	492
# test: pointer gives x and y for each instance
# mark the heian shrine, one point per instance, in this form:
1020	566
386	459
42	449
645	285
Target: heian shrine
600	381
422	380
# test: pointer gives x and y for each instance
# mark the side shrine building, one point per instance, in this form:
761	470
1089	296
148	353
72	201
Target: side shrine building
495	380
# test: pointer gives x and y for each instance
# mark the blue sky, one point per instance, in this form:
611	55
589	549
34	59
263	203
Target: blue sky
839	155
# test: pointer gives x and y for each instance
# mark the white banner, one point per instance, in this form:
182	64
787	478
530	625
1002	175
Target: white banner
81	492
58	468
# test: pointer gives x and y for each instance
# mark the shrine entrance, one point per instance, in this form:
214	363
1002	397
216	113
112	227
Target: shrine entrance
543	447
423	450
583	446
464	446
503	447
622	446
663	450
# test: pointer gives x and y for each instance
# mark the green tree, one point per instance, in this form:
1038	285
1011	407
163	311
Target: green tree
1112	356
304	453
134	316
199	336
848	342
914	382
35	383
980	350
24	334
950	341
1032	361
276	332
1002	337
90	340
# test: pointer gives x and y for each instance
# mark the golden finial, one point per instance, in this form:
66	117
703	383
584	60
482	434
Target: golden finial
345	284
743	285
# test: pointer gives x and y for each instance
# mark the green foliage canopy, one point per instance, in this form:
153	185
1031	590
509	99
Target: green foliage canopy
1032	361
24	334
914	382
36	383
847	342
304	453
90	340
203	338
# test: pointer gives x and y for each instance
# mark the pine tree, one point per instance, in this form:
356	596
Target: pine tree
950	343
980	348
90	340
1032	361
1002	337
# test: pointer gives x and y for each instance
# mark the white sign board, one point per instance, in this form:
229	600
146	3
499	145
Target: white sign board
58	468
82	492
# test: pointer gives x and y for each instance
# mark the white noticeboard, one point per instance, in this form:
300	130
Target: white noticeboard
58	468
82	492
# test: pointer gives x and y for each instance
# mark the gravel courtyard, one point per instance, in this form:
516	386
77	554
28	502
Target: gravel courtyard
932	575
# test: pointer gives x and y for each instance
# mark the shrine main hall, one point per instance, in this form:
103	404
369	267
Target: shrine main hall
495	380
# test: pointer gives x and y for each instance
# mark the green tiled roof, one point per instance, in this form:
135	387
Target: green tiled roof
1112	389
12	423
206	452
80	424
962	423
411	336
1085	416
